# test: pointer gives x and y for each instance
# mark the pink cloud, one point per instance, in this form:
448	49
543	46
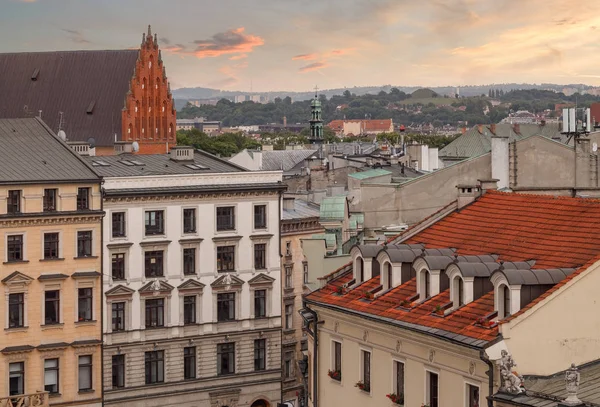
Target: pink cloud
313	67
233	41
305	57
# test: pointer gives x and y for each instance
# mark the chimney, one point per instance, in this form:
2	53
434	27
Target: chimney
517	128
488	185
480	128
463	130
467	194
288	203
582	162
500	161
493	128
258	159
80	147
123	147
182	153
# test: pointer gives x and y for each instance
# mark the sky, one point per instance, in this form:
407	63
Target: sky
276	45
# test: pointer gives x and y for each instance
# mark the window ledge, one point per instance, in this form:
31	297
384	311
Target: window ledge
16	262
17	329
289	331
84	257
54	259
54	395
86	322
86	391
152	327
52	326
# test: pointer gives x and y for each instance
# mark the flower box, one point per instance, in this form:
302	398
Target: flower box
363	386
396	398
335	375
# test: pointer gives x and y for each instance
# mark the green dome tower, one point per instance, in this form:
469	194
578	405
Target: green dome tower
316	121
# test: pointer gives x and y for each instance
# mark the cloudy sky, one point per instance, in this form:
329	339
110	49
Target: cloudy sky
295	44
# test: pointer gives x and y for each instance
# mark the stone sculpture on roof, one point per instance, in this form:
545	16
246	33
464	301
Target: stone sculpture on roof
511	382
572	377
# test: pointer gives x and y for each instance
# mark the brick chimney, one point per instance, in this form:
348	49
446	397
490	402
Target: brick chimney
467	194
517	128
488	185
493	128
463	130
480	128
288	203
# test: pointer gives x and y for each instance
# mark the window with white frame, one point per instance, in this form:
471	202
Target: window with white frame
398	381
289	316
432	389
365	370
472	395
336	362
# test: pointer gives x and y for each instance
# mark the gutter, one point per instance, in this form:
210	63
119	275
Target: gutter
102	292
490	374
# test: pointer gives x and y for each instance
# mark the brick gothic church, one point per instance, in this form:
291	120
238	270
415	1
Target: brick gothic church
99	97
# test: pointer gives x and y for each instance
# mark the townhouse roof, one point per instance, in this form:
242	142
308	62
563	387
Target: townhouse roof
333	208
128	165
370	125
32	153
533	239
302	210
363	175
478	139
284	159
87	87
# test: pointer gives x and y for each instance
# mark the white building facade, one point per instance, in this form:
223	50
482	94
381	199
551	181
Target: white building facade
192	292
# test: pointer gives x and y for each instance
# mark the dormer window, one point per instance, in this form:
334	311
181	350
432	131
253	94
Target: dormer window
388	275
427	283
461	292
504	312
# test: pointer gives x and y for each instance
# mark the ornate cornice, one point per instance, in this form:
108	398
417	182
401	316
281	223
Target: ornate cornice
58	220
188	196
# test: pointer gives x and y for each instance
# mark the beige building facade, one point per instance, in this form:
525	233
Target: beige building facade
50	223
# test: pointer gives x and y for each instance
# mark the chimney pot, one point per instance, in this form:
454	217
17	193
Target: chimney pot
517	128
493	128
480	128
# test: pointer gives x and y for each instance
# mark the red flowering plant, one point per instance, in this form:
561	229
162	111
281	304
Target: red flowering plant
396	398
335	374
368	295
484	322
363	386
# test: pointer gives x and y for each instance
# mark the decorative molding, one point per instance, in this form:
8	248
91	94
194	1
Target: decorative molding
261	279
155	243
191	285
431	355
471	368
59	220
262	236
227	281
123	245
156	286
191	240
177	196
119	290
17	278
231	239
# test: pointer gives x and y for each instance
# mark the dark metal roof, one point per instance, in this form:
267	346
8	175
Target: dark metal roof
191	189
128	165
535	276
70	82
31	153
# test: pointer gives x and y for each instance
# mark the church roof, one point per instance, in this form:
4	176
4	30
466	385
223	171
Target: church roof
88	87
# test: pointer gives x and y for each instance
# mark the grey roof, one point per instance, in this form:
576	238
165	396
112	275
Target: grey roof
355	148
302	210
32	153
474	142
535	276
284	159
544	391
69	82
127	165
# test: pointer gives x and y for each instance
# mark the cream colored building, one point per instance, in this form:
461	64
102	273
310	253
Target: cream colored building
50	219
429	314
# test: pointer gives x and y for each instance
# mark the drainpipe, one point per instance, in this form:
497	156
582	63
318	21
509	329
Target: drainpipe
102	194
490	374
314	362
280	195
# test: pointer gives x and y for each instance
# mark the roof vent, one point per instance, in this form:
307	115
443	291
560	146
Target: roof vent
80	147
90	107
35	74
123	147
182	153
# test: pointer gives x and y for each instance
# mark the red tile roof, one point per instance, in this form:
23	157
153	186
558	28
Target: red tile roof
556	232
377	125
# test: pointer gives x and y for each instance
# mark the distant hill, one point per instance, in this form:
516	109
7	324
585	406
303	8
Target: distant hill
423	94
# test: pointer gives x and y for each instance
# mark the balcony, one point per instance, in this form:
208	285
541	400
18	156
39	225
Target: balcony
39	399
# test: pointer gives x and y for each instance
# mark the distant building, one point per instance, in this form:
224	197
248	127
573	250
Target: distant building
199	123
291	162
361	127
98	97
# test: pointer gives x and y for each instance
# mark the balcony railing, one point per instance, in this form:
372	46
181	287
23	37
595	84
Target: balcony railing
39	399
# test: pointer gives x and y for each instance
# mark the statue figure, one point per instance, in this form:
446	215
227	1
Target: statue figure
156	285
572	377
510	381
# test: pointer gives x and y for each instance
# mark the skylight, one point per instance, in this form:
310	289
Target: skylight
131	163
100	164
196	167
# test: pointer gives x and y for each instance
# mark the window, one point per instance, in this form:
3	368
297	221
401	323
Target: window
432	389
118	266
118	316
399	379
51	375
289	277
84	304
225	307
288	365
14	247
461	294
153	263
260	303
16	378
51	245
85	372
305	273
50	200
13	203
389	275
472	395
225	358
260	216
16	310
155	223
289	316
155	313
366	370
226	218
118	371
189	362
260	251
189	220
189	261
84	243
427	284
189	309
154	363
226	258
118	224
52	307
83	198
506	299
288	248
260	349
337	361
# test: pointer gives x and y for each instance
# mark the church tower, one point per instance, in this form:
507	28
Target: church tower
149	116
316	121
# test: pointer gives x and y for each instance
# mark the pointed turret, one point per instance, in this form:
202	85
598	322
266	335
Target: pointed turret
143	38
149	31
155	39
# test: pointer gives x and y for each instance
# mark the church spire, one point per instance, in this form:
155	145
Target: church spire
316	121
149	31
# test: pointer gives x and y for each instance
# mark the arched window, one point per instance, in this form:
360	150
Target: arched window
427	284
460	291
506	301
361	266
389	275
150	64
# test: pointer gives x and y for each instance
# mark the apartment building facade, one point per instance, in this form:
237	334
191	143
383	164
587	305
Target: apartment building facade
192	281
50	220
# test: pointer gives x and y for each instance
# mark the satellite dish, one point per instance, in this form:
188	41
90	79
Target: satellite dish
92	142
595	147
62	135
135	146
